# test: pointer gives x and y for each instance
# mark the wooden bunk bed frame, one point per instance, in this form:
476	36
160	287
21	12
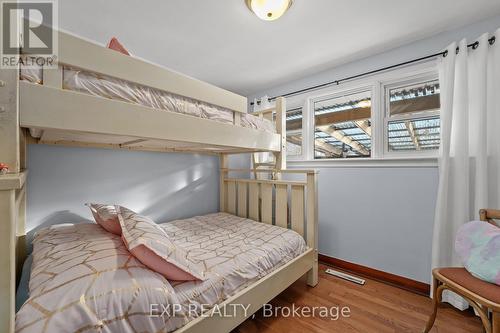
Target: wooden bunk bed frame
65	117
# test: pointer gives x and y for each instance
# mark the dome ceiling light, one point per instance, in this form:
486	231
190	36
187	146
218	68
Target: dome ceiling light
269	10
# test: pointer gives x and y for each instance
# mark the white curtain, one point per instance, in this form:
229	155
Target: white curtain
469	161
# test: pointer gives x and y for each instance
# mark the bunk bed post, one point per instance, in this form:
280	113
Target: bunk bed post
281	129
223	165
21	204
12	194
7	273
9	116
312	224
237	118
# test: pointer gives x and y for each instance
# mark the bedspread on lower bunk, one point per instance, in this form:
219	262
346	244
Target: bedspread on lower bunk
234	251
84	280
117	89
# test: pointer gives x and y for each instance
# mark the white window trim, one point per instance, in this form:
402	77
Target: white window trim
386	86
403	162
295	102
337	93
380	156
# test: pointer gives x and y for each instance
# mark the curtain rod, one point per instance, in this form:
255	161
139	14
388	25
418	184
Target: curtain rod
474	46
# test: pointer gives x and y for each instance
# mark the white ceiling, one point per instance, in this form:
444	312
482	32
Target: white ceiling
221	42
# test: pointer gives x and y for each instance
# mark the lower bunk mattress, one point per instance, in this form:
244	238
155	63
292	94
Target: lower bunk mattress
83	279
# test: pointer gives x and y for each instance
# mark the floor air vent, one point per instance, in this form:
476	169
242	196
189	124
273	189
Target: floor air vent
345	276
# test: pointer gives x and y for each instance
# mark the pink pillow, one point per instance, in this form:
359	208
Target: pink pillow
115	45
106	216
149	243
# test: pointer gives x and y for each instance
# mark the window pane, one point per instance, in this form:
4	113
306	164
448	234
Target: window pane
416	126
416	134
294	132
414	99
343	126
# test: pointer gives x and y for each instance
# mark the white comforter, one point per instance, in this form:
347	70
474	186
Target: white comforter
122	90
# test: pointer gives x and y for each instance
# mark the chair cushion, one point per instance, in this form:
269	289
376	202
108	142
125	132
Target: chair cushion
462	277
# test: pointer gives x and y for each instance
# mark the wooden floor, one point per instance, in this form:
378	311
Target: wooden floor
375	307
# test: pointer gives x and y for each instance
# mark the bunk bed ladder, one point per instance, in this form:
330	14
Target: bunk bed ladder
276	161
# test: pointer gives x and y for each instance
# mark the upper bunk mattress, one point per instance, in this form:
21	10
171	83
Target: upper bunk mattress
83	279
122	90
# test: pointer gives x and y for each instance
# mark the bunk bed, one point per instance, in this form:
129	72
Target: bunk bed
97	97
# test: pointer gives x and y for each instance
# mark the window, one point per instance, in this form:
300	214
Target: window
294	132
342	126
412	117
393	115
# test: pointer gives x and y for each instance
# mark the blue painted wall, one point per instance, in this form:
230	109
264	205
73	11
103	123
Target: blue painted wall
164	186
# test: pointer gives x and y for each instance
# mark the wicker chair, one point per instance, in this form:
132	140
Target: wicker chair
481	295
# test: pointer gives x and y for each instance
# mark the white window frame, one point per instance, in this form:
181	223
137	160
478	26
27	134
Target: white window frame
301	155
336	94
296	102
386	87
377	84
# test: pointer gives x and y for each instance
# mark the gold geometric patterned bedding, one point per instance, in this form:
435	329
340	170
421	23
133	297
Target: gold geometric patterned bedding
234	251
84	280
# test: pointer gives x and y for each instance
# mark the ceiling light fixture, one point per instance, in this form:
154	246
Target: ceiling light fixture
269	10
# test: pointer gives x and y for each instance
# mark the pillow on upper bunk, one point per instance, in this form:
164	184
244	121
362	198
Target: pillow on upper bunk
478	245
149	243
106	216
114	44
